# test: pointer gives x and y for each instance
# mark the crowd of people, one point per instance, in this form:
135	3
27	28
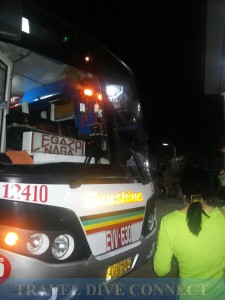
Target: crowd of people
167	186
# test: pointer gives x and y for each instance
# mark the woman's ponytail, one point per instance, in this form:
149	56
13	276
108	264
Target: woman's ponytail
196	185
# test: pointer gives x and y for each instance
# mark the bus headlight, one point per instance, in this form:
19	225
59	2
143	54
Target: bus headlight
63	246
38	243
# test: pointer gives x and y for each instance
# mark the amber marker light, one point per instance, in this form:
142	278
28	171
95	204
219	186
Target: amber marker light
88	92
99	96
11	238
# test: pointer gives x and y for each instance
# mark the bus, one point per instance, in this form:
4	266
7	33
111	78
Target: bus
76	192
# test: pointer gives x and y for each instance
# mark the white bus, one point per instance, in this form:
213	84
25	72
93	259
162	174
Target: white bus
76	193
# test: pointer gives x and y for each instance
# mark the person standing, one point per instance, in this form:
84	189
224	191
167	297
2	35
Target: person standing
221	178
195	236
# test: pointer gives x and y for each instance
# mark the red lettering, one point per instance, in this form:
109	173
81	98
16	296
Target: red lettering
32	193
112	239
48	150
55	150
26	192
32	144
54	139
119	237
70	152
108	241
78	145
45	137
56	145
63	142
63	150
72	142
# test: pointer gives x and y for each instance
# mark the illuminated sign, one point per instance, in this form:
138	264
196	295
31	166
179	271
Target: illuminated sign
52	144
98	200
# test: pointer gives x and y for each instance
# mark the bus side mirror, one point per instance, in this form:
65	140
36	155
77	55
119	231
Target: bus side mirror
11	19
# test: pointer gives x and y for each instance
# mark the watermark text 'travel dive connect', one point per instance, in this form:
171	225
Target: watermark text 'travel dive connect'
114	289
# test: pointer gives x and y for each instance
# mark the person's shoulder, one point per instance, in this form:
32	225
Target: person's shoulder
217	211
174	215
221	210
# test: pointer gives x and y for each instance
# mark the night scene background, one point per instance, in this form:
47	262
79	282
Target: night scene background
164	43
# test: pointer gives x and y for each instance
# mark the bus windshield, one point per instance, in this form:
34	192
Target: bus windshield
72	101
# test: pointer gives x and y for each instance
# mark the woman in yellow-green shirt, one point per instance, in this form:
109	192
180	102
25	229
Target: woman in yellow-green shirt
195	235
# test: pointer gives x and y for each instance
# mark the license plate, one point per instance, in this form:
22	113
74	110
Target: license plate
118	269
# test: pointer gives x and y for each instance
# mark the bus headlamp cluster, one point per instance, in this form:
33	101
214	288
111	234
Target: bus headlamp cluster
61	248
46	246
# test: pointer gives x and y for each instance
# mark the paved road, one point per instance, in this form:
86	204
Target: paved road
162	208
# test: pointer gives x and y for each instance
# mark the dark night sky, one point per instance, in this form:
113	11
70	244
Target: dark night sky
163	43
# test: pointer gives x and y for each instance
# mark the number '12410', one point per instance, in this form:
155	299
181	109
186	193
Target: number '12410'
33	193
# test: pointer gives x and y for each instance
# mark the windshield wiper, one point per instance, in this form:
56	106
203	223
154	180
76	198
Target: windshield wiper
94	151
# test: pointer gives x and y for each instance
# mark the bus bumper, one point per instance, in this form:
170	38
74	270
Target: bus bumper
34	279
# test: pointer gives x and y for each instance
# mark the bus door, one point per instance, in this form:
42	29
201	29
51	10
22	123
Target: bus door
5	85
